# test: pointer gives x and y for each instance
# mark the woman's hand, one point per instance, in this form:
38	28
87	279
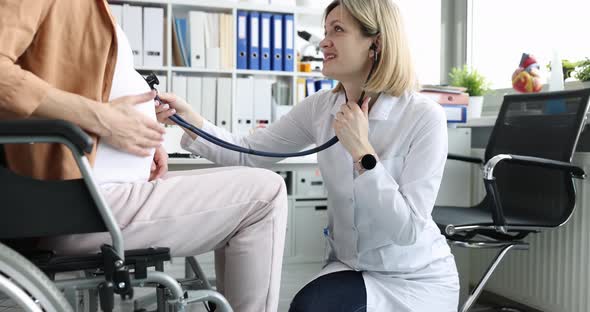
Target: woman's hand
159	164
351	125
170	105
128	129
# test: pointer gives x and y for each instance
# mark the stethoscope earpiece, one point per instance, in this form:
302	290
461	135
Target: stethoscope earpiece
373	48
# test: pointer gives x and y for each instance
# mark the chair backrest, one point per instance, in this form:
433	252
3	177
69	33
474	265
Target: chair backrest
545	125
33	208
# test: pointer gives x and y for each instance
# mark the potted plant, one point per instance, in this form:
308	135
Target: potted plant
582	71
476	84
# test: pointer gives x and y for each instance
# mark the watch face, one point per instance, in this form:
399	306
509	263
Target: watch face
368	162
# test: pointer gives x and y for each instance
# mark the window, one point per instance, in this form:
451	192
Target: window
422	20
501	30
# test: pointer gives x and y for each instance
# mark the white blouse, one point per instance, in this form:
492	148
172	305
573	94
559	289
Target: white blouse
378	221
111	165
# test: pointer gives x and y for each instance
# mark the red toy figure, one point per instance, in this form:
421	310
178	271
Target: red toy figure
527	77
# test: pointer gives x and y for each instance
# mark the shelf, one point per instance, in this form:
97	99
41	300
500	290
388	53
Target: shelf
178	69
266	8
230	5
147	68
200	70
310	11
311	74
141	2
222	5
264	72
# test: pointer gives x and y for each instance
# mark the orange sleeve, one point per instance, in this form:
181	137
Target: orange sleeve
21	91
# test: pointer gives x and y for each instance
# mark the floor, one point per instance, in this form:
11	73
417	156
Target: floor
294	277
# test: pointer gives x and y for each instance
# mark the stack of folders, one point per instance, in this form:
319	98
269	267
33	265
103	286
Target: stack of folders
144	28
309	86
454	102
209	97
254	104
265	41
203	40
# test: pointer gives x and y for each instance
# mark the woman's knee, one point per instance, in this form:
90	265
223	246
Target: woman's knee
306	299
339	291
271	185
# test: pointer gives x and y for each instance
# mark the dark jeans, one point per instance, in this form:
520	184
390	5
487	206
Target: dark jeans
335	292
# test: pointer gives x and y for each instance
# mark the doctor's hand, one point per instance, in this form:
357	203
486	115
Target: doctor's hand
159	164
171	104
351	125
128	129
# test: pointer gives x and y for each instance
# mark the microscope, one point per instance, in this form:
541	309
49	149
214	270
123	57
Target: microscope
310	61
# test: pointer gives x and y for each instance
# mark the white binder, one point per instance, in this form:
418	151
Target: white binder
132	26
194	95
224	103
163	86
212	51
117	12
198	28
209	98
262	102
243	122
179	86
226	41
153	37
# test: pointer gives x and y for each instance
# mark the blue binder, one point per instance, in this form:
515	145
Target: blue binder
253	40
323	84
455	113
242	43
182	37
288	42
276	42
265	41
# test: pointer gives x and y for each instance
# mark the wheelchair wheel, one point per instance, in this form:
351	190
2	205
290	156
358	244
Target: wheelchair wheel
23	287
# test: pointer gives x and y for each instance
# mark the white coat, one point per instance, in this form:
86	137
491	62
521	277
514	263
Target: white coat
379	222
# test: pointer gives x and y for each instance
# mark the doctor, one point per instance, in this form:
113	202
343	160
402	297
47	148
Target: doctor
386	253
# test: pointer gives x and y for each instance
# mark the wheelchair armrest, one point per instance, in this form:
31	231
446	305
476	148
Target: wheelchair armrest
469	159
79	142
575	171
46	128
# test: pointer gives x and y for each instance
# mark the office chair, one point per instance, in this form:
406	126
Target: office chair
34	208
528	176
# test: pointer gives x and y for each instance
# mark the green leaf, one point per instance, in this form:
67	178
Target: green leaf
471	79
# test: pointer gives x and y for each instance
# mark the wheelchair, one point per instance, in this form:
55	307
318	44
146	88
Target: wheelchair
40	209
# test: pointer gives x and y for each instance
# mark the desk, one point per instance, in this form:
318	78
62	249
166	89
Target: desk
289	164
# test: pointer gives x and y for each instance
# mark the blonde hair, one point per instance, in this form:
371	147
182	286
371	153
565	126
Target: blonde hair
394	73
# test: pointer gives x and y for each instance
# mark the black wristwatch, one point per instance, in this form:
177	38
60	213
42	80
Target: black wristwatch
367	162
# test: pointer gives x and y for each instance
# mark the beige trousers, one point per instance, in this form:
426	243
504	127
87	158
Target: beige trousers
239	212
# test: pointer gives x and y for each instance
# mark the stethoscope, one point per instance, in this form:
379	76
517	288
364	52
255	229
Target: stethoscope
152	80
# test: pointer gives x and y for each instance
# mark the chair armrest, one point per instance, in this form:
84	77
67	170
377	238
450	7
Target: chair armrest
469	159
575	171
45	128
492	189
